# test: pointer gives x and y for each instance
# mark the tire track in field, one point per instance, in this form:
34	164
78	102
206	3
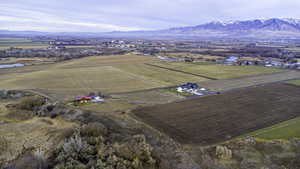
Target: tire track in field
180	71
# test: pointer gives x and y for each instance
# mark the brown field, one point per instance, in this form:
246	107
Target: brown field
217	118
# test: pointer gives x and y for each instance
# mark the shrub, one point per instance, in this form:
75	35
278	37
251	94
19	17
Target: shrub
89	148
30	103
3	144
93	130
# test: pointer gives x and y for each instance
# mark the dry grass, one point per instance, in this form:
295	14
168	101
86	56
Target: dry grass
109	107
81	76
191	55
228	84
109	74
152	97
76	81
219	71
161	76
26	60
6	43
32	133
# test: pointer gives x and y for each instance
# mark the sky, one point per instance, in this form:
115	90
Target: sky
132	15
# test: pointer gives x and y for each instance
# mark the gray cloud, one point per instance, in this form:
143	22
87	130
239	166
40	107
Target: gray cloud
127	15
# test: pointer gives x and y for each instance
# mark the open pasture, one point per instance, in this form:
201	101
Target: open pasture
6	43
158	75
27	61
192	55
109	74
229	84
216	118
218	71
76	81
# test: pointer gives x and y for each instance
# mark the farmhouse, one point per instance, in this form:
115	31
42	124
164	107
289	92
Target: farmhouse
86	99
168	59
192	88
60	46
231	60
250	61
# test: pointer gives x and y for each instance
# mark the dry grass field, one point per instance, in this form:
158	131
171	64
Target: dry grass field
228	84
219	71
112	74
76	81
191	55
150	97
217	118
109	74
161	76
27	61
6	43
37	132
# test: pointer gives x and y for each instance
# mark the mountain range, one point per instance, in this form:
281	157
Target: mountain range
291	25
257	29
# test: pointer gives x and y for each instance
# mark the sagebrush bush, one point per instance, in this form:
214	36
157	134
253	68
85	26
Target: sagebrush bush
30	103
89	148
3	144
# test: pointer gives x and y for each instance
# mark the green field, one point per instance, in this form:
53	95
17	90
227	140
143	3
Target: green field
6	43
27	61
219	71
192	55
285	130
295	82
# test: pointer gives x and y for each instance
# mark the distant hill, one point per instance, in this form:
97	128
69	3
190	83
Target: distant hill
268	28
292	25
253	29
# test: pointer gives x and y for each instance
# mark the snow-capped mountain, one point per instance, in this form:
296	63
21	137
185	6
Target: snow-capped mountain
290	25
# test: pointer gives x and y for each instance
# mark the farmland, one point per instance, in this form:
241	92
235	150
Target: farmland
194	56
218	71
217	118
27	61
109	74
295	82
121	74
229	84
6	43
285	130
81	81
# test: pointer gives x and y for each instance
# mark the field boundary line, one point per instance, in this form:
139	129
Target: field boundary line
180	71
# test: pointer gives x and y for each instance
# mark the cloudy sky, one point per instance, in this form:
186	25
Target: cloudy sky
128	15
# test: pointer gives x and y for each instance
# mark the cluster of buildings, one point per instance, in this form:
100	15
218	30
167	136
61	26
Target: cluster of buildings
268	62
192	88
88	99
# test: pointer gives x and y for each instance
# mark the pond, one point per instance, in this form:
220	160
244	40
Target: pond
11	65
